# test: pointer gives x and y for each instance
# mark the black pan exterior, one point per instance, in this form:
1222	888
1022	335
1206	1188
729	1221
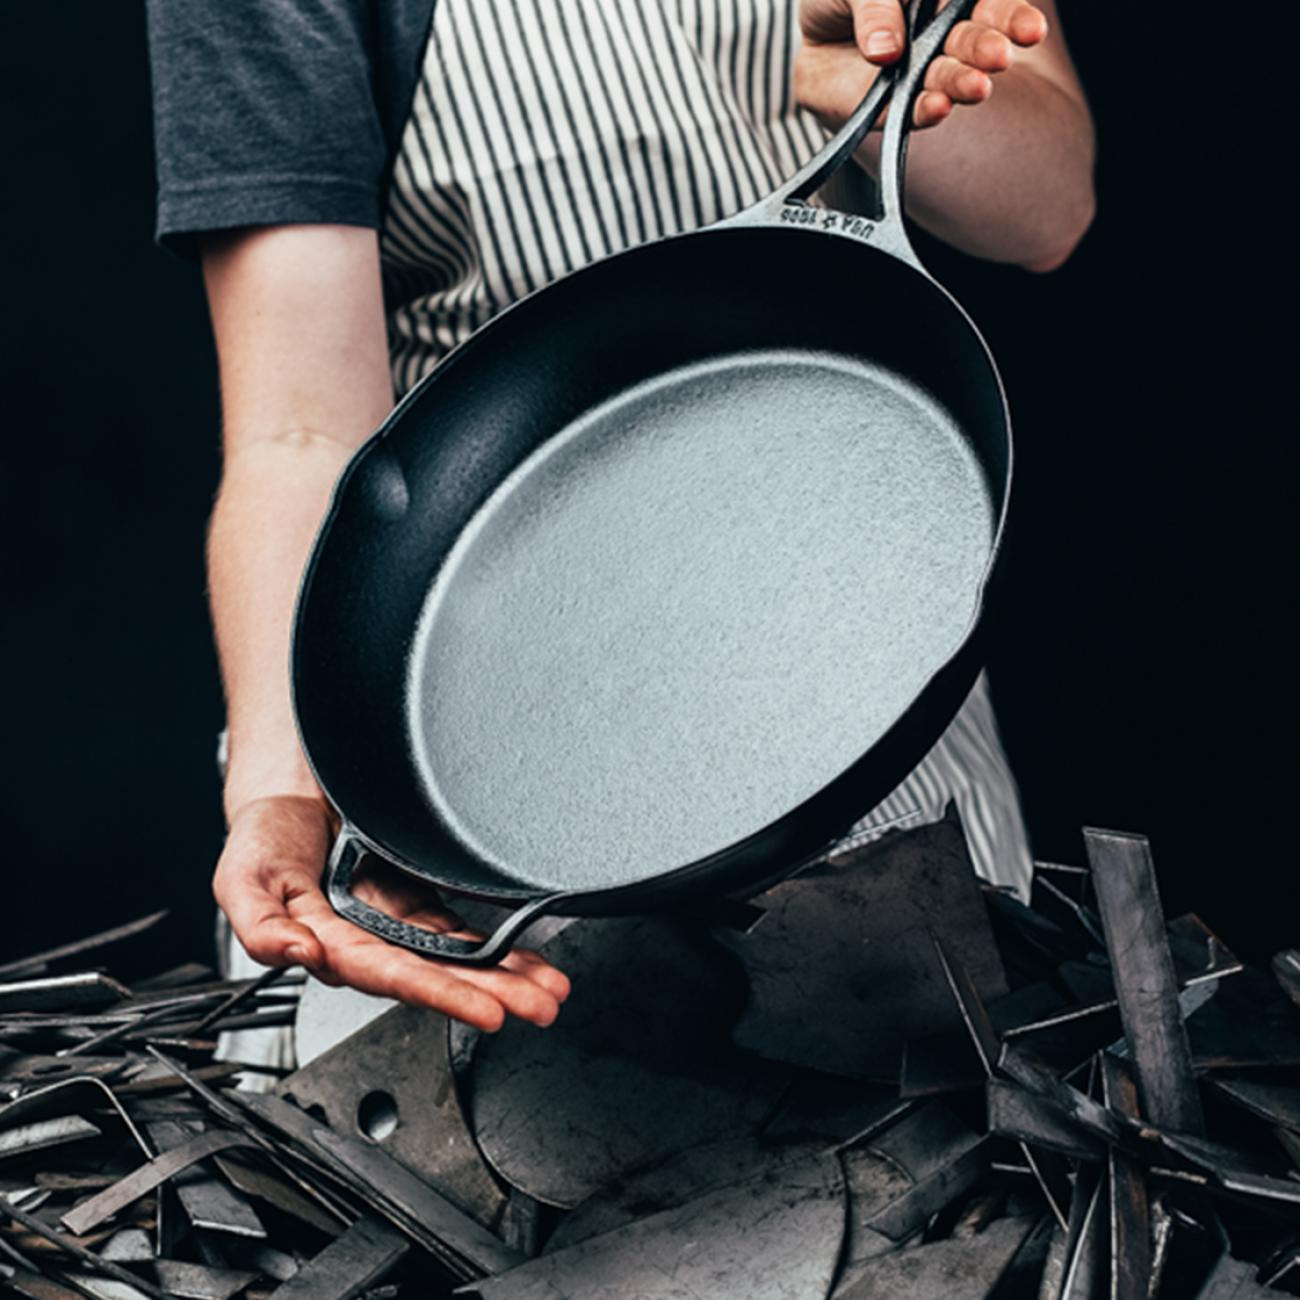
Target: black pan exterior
409	494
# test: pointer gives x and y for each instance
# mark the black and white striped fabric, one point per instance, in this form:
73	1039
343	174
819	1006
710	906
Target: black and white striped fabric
547	133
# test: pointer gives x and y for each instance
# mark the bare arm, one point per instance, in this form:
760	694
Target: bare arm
1012	182
298	317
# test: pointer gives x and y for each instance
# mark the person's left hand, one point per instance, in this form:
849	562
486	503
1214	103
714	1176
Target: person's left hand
847	42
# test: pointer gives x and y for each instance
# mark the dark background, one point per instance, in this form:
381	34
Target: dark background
1141	669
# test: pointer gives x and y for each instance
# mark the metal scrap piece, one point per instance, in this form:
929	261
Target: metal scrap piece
871	970
76	1250
1248	1022
1286	968
60	992
1233	1279
94	1210
67	1095
362	1256
1130	1211
1125	882
945	1270
773	1237
1029	1117
129	1246
275	1191
207	1201
638	1066
199	1281
462	1244
683	1177
81	946
1277	1103
42	1133
1085	1263
412	1110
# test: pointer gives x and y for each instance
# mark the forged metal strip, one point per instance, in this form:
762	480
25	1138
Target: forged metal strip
1051	1176
773	1237
358	1259
41	1067
190	972
36	1286
207	1201
61	992
239	1120
118	1031
75	949
1085	1243
1030	1117
43	1133
44	1103
79	1252
1124	879
943	1270
284	1196
1130	1214
93	1211
439	1220
238	998
170	1082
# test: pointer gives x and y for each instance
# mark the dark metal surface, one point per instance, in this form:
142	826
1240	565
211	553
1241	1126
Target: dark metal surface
1130	1210
696	585
410	1107
773	1237
637	1067
944	1270
872	972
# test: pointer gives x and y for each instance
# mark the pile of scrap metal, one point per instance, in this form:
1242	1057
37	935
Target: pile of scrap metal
877	1080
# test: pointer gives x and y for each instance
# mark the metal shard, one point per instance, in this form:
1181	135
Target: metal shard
1130	1216
349	1265
872	971
42	1133
1146	987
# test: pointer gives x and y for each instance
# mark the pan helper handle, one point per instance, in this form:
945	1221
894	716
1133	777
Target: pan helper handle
348	854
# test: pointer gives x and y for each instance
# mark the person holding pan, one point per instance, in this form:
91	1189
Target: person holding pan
366	182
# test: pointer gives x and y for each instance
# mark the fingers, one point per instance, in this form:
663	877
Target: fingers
1022	22
255	901
879	30
960	83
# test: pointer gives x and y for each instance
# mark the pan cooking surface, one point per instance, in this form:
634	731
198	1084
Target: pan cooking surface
689	611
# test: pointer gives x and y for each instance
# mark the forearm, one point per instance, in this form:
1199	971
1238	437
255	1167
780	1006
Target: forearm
273	495
1011	180
298	318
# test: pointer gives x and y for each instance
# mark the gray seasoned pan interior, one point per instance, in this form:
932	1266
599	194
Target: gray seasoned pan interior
595	697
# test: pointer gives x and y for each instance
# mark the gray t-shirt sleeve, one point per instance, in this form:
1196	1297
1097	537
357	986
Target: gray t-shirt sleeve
265	112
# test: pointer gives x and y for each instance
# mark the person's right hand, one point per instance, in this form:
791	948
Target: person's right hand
268	884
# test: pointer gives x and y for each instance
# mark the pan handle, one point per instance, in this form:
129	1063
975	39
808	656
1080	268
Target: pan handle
899	87
348	854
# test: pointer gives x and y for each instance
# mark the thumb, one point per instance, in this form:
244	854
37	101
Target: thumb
878	29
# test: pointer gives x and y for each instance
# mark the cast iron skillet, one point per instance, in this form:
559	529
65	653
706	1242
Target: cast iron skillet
668	574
